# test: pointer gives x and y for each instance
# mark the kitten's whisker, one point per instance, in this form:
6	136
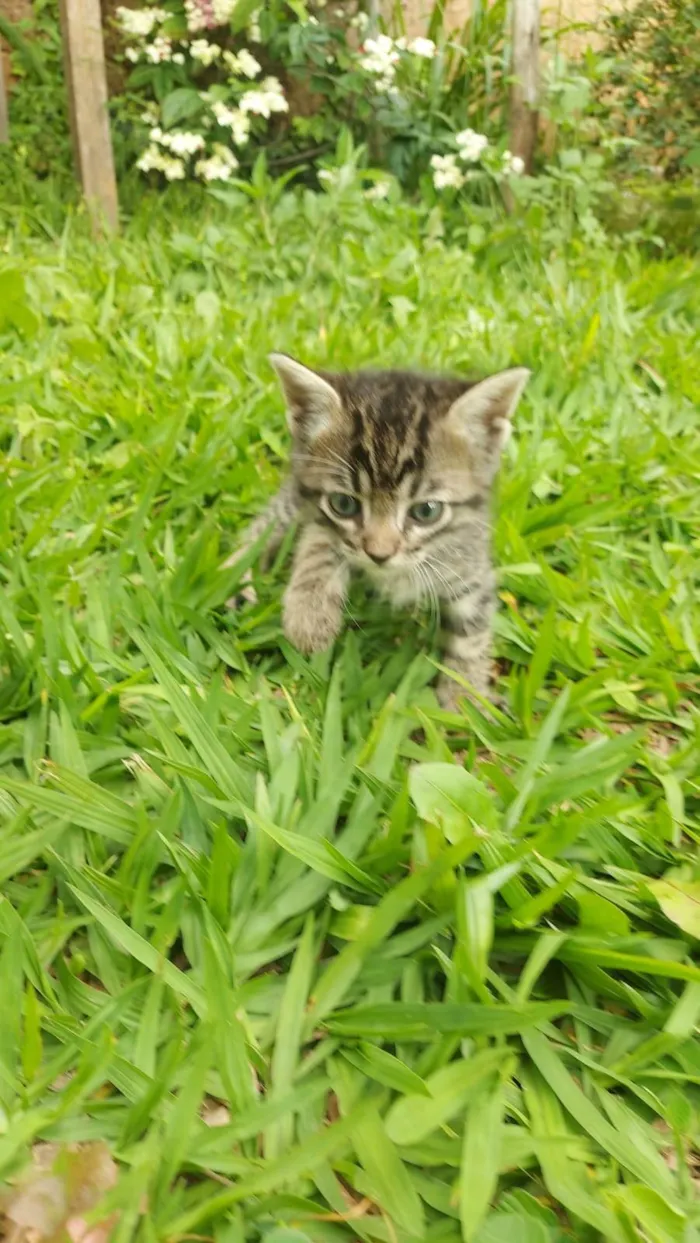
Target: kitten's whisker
424	582
453	586
328	456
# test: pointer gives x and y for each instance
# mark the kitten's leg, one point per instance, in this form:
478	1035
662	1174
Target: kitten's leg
314	599
277	516
468	622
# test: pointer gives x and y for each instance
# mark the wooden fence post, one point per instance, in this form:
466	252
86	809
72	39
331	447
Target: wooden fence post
524	96
84	58
4	122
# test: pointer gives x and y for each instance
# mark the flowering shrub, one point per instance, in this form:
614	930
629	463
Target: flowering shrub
317	89
474	161
174	55
220	81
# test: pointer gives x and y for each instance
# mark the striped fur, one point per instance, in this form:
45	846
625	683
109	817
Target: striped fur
390	441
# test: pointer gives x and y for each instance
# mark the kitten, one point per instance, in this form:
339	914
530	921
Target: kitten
392	474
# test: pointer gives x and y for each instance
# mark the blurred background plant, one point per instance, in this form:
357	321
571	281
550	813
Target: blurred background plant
201	88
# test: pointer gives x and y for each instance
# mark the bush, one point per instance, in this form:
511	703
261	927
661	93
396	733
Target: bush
652	92
38	105
213	83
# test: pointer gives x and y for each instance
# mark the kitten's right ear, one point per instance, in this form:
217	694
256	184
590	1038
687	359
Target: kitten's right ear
312	403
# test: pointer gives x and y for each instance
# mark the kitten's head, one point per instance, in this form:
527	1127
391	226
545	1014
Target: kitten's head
396	462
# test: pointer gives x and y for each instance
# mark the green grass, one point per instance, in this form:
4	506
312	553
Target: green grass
441	973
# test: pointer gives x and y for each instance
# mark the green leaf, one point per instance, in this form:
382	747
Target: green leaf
182	104
653	1172
288	1041
242	13
512	1228
283	1234
680	902
384	1068
15	311
220	765
392	1187
412	1118
302	1159
660	1222
481	1154
405	1021
131	943
451	798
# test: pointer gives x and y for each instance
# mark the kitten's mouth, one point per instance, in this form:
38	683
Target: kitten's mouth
386	568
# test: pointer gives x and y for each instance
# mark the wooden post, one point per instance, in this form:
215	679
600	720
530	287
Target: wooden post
524	96
4	122
84	58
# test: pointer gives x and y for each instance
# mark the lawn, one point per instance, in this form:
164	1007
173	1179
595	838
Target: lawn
431	977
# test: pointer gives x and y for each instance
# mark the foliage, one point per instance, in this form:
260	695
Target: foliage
652	92
218	83
311	959
40	146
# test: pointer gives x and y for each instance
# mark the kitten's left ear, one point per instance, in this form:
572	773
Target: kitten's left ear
484	412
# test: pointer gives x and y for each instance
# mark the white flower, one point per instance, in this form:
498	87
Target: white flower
244	63
446	172
159	50
178	58
247	64
139	22
513	164
235	120
265	100
205	14
471	146
222	112
379	190
254	27
219	166
222	10
204	52
181	142
150	114
174	170
197	18
150	158
423	47
240	128
132	54
153	159
379	56
360	22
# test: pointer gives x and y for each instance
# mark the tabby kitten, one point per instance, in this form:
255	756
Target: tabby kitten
392	474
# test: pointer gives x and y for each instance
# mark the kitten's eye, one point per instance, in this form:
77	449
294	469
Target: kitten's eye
426	512
344	505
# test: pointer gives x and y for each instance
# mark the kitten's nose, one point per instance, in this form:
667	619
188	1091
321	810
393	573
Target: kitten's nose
381	544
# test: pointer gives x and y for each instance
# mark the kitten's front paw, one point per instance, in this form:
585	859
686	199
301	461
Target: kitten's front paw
311	622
